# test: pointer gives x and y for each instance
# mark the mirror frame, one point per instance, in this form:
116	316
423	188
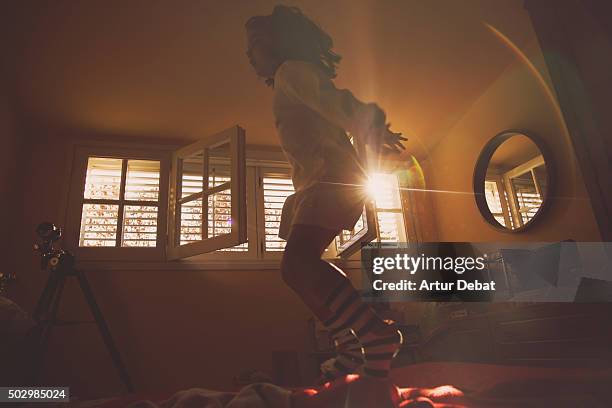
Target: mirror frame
480	172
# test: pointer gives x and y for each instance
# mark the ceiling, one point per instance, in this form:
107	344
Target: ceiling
162	69
515	151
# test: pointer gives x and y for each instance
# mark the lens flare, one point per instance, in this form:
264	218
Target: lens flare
377	185
411	175
546	88
408	174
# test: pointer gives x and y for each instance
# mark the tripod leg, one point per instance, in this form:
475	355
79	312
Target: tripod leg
104	331
50	318
44	301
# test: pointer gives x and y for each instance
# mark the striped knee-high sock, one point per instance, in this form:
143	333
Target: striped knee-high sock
380	349
349	352
350	312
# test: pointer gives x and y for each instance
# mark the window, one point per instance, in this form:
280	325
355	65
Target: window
205	200
207	203
383	216
515	196
385	191
218	206
384	188
268	185
120	203
116	205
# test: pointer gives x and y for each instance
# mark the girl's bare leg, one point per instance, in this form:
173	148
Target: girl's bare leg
305	272
328	293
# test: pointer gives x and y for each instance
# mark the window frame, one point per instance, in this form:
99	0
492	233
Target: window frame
370	231
368	234
403	231
235	137
76	200
408	232
527	167
251	229
503	195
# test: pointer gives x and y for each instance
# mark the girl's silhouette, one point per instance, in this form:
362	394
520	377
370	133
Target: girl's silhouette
313	117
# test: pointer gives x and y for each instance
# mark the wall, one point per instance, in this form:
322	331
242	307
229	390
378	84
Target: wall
10	150
517	99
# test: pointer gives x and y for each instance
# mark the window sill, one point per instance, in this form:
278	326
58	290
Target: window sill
199	265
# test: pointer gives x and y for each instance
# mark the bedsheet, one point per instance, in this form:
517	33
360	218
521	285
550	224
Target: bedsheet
444	384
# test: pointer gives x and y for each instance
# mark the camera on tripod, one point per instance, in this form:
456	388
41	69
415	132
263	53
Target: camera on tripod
60	263
53	259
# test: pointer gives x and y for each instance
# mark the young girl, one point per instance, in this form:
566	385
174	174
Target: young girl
312	118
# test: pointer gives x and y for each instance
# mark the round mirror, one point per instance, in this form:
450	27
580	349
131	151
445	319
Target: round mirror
512	180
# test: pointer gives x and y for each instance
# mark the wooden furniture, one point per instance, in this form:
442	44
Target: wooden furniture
543	334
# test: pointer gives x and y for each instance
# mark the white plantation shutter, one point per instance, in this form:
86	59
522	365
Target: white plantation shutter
99	221
99	225
389	212
525	186
142	180
140	226
366	228
220	209
140	221
276	189
528	199
120	203
346	235
191	211
103	180
208	177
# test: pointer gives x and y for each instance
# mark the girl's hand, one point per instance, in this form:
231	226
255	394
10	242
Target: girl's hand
385	141
391	142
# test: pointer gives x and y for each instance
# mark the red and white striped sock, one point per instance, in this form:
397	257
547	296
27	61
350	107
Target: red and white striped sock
350	312
349	352
380	349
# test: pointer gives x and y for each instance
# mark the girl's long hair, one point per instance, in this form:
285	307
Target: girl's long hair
296	37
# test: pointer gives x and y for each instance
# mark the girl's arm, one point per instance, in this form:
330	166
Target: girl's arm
301	81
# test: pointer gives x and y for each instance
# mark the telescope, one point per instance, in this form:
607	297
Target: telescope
51	258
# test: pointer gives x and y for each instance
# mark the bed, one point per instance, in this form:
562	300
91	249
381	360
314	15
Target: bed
439	384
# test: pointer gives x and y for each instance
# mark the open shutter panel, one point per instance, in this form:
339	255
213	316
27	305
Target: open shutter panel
207	208
366	229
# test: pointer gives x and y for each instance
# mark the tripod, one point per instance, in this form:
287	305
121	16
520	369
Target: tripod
60	264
